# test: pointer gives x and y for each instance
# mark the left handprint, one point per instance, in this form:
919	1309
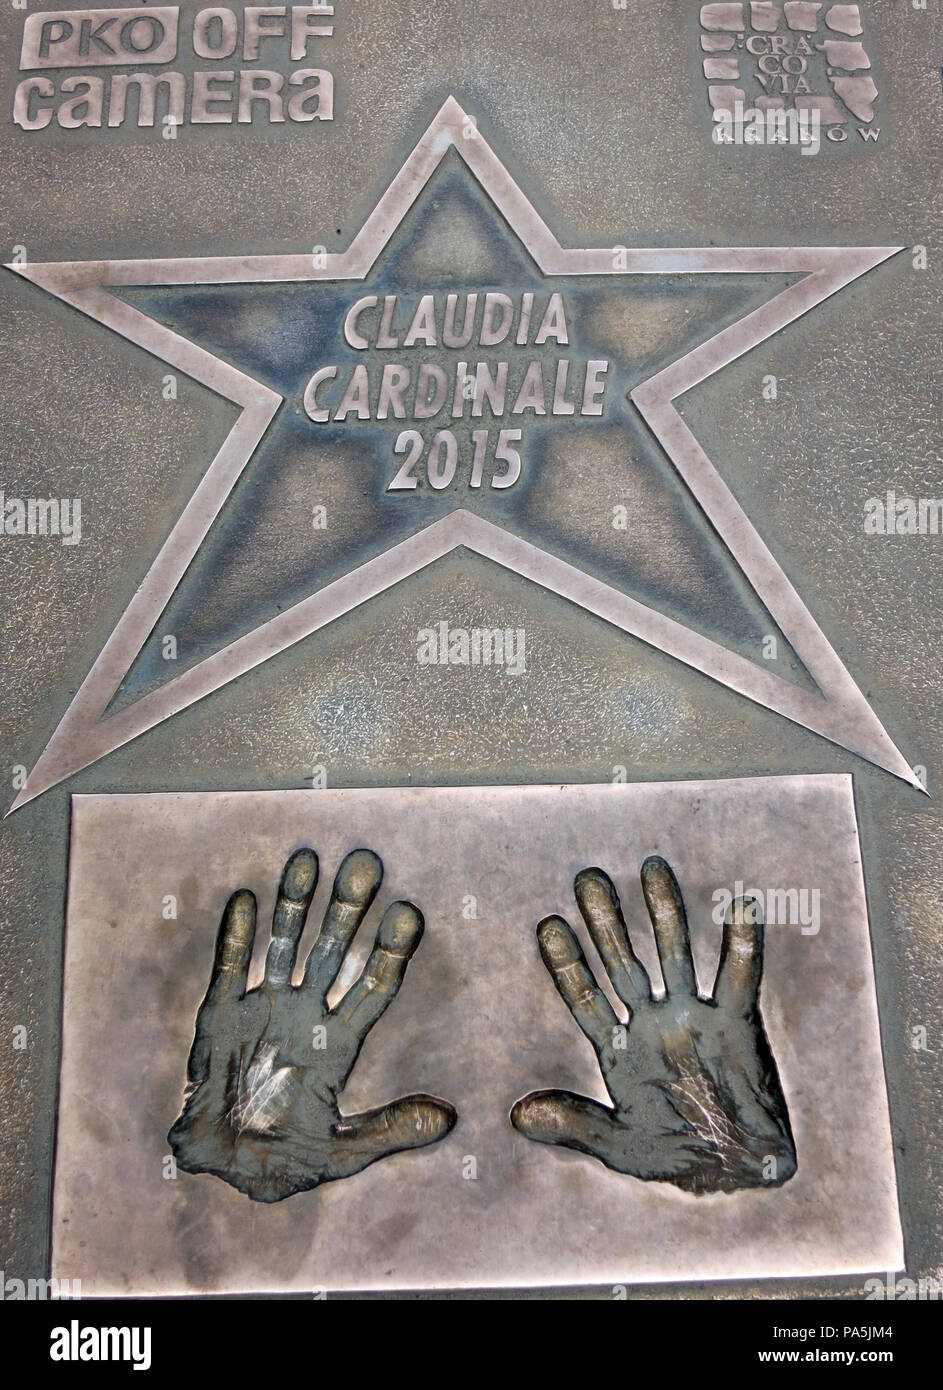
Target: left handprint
267	1066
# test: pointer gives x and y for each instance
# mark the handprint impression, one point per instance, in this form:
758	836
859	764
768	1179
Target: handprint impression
267	1066
696	1099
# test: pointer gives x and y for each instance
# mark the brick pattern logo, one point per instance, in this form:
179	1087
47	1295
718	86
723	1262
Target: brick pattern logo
760	59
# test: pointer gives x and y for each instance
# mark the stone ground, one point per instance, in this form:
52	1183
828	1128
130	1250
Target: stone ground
602	116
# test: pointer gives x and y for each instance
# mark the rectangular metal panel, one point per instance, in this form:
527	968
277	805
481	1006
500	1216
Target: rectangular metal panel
477	1021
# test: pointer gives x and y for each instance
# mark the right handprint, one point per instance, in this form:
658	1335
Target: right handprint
696	1098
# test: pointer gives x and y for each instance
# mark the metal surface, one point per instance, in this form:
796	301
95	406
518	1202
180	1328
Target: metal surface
477	1019
625	159
838	711
695	1094
268	1065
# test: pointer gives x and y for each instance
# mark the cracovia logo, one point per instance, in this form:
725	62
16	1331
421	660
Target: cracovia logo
77	1343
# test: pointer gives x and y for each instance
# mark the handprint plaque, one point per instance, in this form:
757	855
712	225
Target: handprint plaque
696	1097
268	1064
704	1159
